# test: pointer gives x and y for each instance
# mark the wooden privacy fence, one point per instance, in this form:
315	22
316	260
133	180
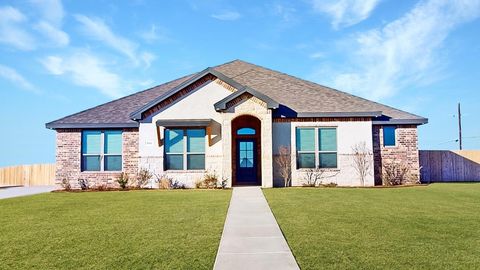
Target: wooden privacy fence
28	175
449	166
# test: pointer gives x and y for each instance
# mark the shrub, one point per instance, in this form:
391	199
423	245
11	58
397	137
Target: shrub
330	185
166	182
123	180
224	182
315	176
84	185
394	174
175	184
101	187
209	181
66	184
143	177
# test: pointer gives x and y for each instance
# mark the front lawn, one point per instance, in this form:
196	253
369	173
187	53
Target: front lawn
431	227
113	230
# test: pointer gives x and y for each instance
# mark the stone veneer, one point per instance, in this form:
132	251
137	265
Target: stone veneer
68	159
405	151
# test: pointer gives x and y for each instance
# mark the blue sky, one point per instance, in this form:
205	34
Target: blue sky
61	57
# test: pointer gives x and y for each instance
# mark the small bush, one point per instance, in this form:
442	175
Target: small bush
166	182
101	187
66	184
177	185
330	185
143	177
224	182
394	174
209	181
123	180
84	185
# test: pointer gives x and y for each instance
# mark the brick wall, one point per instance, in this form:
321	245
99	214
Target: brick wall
68	159
405	151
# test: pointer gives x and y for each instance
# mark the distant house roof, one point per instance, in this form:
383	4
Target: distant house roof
296	98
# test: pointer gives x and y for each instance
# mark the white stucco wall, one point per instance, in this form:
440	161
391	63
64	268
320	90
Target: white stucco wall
198	104
348	135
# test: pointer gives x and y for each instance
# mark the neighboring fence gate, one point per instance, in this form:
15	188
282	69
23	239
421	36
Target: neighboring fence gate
449	166
28	175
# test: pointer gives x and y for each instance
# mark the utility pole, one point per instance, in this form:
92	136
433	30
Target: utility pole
459	127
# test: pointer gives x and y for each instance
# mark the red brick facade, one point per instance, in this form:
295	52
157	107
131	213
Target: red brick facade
68	159
405	151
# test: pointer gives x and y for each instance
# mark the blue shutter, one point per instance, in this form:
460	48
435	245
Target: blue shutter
91	142
174	141
113	142
327	139
305	139
196	140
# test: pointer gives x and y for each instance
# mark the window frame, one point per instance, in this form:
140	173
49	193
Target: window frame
317	150
394	135
185	153
102	153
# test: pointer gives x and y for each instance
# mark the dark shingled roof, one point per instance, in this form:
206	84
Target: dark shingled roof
298	95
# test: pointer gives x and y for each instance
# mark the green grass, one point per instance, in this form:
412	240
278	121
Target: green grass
432	227
112	230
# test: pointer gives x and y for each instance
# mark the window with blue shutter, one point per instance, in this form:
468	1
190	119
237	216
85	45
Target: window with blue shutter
389	135
316	147
101	150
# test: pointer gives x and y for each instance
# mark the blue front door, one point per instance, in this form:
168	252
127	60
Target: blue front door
246	161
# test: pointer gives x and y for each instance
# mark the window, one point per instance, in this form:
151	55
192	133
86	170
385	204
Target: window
246	131
102	150
389	135
185	148
316	148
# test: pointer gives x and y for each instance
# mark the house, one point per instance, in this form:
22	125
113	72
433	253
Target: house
233	119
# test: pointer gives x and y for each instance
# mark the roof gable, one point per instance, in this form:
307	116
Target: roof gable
222	104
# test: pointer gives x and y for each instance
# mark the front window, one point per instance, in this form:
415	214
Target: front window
102	150
316	148
185	149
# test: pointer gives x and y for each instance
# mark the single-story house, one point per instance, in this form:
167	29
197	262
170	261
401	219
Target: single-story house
232	119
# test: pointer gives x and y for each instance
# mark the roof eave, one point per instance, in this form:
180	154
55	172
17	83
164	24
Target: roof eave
417	121
339	114
53	125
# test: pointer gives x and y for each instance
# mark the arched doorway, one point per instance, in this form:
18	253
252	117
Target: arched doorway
246	151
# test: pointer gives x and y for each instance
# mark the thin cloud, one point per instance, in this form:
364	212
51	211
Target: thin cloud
98	30
227	16
51	10
155	34
14	77
11	30
54	34
286	13
344	13
404	52
50	25
85	69
317	55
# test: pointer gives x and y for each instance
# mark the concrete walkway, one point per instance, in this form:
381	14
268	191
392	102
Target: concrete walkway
251	237
11	192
